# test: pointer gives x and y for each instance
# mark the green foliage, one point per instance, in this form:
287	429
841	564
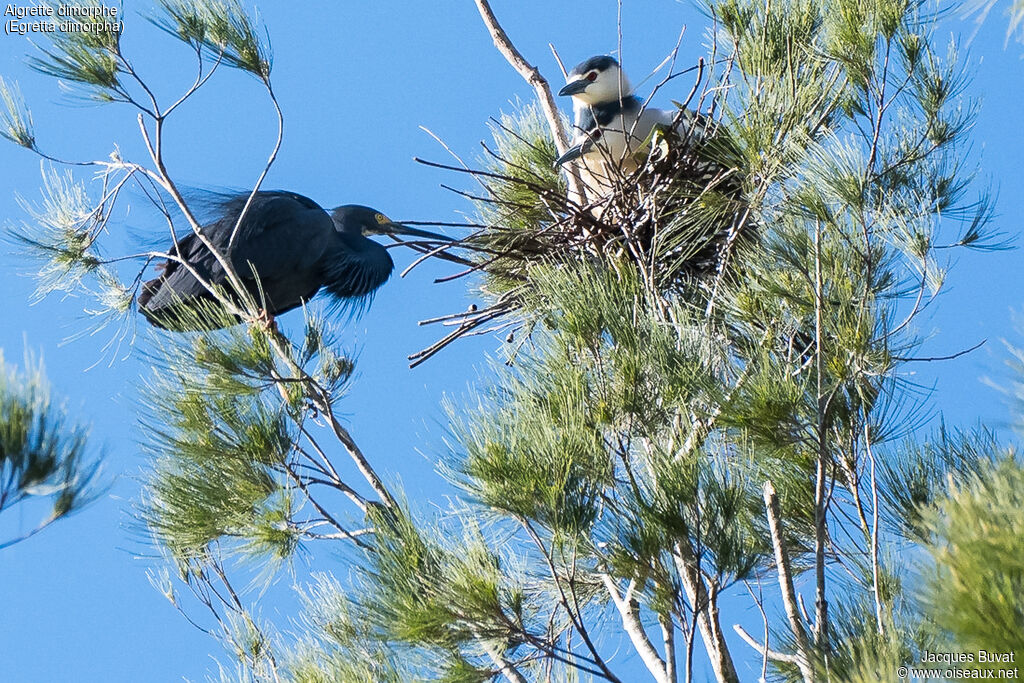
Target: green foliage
515	203
539	450
427	593
339	647
525	154
976	594
531	218
864	653
62	234
42	453
598	436
648	406
89	54
430	599
736	312
220	27
17	119
221	426
62	240
913	477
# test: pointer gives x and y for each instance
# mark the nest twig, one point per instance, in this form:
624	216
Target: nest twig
677	218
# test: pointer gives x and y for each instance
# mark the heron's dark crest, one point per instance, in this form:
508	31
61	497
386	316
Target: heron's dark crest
596	63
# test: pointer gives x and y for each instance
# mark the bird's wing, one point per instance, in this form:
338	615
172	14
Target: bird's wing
282	234
175	281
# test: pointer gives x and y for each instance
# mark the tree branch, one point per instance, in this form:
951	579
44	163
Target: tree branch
626	605
668	634
506	667
875	581
324	404
575	619
820	625
266	166
533	76
771	504
706	614
773	655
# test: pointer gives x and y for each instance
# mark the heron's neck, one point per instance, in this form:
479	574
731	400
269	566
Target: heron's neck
604	114
356	266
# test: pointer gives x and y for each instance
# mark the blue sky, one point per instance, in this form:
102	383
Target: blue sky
356	80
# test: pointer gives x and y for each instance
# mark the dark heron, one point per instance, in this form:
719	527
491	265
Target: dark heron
611	123
287	249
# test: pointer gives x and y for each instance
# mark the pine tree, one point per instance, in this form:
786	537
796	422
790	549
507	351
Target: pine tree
44	462
704	405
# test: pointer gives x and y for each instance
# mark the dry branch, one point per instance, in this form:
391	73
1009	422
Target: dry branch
626	605
803	643
532	75
705	609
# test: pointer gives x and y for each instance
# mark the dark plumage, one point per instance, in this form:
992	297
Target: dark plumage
598	63
287	249
602	115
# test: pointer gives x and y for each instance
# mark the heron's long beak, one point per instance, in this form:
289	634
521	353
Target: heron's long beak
574	152
394	229
400	229
574	87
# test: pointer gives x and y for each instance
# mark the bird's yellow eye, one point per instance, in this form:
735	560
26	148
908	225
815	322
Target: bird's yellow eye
381	219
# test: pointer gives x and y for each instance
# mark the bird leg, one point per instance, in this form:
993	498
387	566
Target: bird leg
266	321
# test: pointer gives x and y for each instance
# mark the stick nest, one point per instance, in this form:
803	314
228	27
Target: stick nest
678	217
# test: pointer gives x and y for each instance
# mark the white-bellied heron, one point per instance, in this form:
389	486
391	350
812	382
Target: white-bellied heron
611	124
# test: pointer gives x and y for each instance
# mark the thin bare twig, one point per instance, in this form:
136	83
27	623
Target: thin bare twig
266	167
561	66
931	359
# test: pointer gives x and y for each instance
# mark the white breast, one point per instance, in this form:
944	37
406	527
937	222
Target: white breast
621	146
